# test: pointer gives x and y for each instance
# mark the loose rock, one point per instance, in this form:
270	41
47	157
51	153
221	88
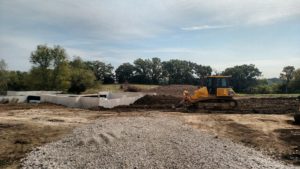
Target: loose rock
145	142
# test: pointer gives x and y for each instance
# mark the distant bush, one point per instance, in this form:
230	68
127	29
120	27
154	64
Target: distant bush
262	89
130	88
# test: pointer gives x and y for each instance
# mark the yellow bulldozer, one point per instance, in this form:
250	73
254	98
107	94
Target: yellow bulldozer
215	93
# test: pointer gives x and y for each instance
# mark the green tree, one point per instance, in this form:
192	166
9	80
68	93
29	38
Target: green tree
147	71
61	73
103	72
142	71
82	78
125	73
295	82
262	87
41	58
17	81
244	77
50	69
179	72
287	75
39	78
77	62
156	70
3	76
202	71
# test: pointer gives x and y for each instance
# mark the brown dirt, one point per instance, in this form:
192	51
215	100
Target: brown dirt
156	99
278	105
172	94
245	105
275	135
172	90
25	126
148	102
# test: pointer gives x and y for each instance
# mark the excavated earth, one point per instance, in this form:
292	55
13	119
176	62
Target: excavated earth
171	90
280	105
171	95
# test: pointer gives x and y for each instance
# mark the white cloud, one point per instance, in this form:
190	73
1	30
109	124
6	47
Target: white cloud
249	11
203	27
97	29
131	19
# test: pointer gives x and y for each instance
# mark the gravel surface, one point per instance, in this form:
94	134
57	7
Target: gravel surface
145	142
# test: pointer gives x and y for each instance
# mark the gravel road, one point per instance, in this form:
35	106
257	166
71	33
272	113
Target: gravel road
158	141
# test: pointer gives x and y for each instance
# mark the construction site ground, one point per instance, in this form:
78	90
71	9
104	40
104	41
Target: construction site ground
26	126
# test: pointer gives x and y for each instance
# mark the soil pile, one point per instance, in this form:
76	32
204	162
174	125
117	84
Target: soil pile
245	105
157	99
280	105
149	102
172	90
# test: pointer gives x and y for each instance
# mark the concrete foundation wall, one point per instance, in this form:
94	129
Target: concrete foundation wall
63	100
77	102
88	102
111	100
15	99
116	99
110	103
125	94
27	93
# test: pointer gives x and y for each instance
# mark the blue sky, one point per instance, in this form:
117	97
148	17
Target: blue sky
218	33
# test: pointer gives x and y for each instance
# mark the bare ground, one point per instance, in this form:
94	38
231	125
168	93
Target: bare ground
274	135
157	141
23	127
26	126
172	90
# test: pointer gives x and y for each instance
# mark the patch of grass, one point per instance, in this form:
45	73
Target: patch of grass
98	88
3	162
56	120
21	141
116	88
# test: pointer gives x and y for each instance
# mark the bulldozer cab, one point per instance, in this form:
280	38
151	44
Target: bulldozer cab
215	82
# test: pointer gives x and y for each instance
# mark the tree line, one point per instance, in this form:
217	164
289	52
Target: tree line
52	70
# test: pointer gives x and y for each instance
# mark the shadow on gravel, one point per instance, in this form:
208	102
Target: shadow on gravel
292	138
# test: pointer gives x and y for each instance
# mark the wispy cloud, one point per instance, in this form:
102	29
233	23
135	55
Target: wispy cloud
118	31
203	27
126	20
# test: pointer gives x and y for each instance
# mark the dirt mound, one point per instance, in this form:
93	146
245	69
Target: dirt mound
151	102
173	90
245	105
161	102
157	99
